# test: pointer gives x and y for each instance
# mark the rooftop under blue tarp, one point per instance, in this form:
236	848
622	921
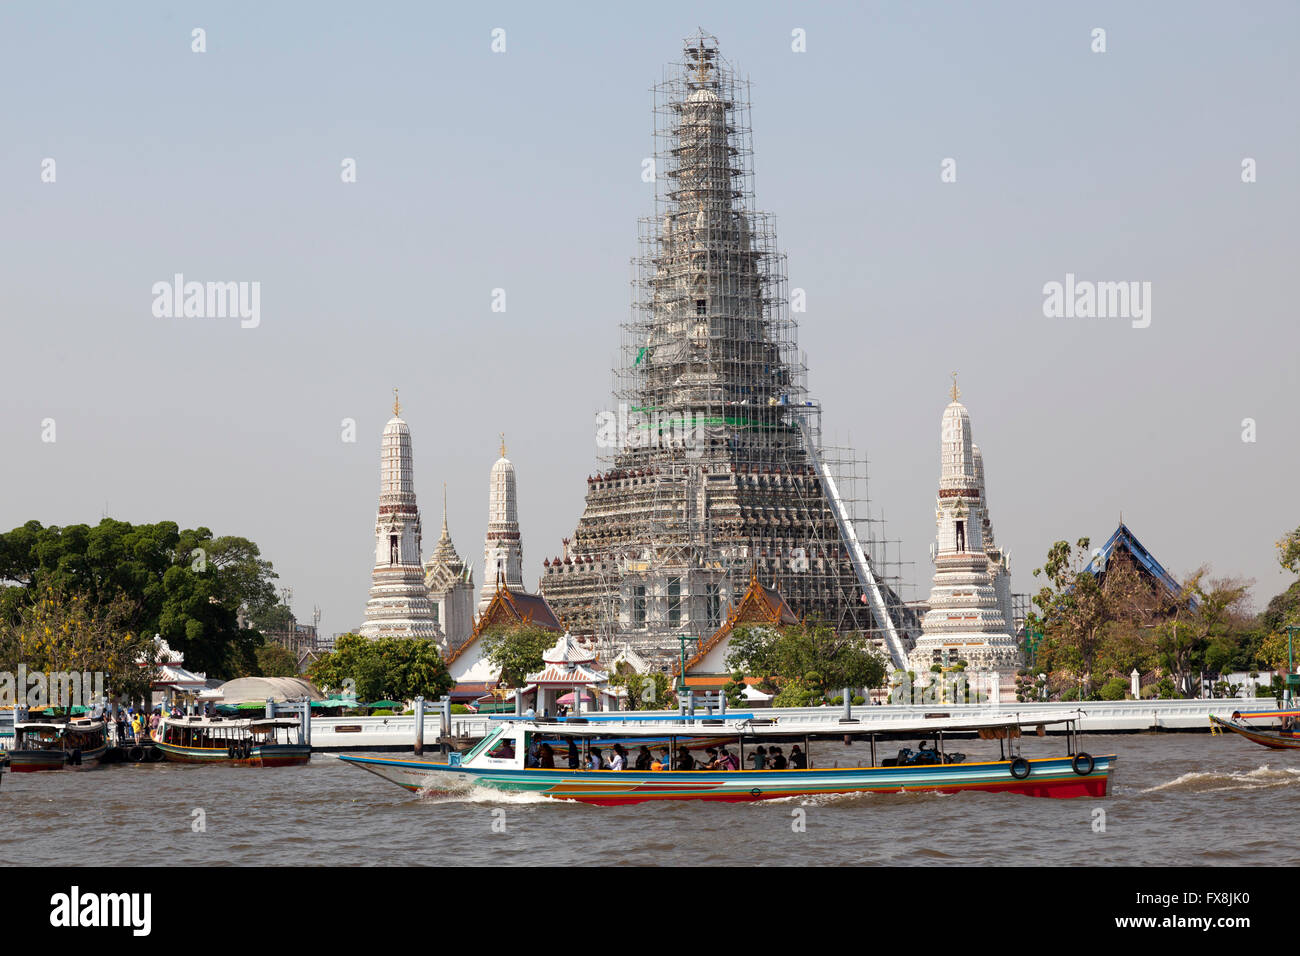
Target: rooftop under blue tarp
1144	558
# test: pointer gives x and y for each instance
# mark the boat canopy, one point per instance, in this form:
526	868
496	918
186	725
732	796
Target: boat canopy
721	727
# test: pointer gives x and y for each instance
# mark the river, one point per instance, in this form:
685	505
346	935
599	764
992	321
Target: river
1175	799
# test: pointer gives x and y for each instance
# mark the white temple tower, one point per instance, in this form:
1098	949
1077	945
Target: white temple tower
451	587
968	617
399	604
503	554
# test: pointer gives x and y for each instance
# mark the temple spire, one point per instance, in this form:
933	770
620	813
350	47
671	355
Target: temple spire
397	405
956	392
399	604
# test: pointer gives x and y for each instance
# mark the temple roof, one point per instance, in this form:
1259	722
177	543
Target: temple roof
509	608
1125	541
759	605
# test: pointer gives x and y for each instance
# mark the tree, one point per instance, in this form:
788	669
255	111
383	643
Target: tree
1288	551
389	668
275	660
1073	612
651	691
1205	611
811	654
517	651
182	584
68	633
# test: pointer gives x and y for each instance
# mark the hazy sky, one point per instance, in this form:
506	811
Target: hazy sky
521	170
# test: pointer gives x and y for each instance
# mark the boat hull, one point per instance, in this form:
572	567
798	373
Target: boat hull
277	755
35	761
1053	777
1276	740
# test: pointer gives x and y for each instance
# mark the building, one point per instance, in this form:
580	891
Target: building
966	619
451	588
473	673
503	553
399	604
761	606
712	460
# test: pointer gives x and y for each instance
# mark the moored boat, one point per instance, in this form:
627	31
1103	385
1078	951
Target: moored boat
263	742
506	760
55	744
1285	737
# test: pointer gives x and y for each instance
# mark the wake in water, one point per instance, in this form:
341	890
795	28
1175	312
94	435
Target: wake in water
475	794
1261	778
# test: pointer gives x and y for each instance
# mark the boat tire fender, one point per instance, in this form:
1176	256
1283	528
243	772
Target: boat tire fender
1020	768
1083	764
135	754
75	757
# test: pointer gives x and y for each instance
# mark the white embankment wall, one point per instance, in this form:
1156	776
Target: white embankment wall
398	733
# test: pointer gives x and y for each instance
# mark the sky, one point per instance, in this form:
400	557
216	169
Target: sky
520	170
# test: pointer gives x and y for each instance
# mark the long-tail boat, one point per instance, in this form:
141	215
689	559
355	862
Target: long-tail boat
1287	737
55	744
507	759
263	742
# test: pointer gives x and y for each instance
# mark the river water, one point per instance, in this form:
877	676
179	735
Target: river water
1175	799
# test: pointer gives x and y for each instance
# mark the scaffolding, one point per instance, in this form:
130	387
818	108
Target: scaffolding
713	475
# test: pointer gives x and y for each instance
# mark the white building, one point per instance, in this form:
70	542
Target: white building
968	617
451	588
399	604
503	555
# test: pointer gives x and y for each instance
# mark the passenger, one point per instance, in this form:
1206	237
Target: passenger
546	757
798	759
684	759
575	758
643	759
534	754
758	759
619	760
712	762
662	762
597	761
727	760
775	759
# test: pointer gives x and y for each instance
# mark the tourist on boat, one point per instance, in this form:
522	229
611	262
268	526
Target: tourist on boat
662	762
776	759
712	762
643	759
798	759
727	760
575	758
758	759
546	757
619	760
684	759
597	761
533	757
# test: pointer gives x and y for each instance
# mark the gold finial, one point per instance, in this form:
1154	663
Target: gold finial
956	392
503	444
397	406
701	61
